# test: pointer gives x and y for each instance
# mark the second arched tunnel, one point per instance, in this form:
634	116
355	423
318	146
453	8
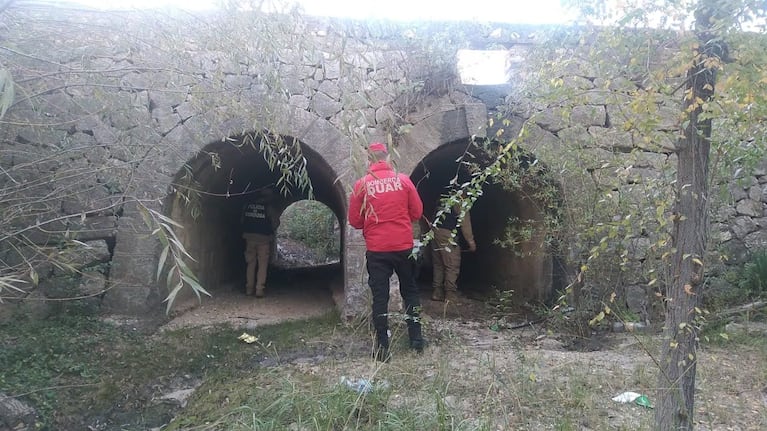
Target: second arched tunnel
211	189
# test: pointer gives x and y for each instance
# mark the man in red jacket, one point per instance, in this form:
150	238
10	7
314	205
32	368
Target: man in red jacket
384	204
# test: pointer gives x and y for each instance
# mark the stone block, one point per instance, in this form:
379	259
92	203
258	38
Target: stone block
756	241
126	118
93	228
539	141
77	256
104	134
354	100
476	118
638	247
89	198
578	137
165	119
237	82
42	136
637	300
33	305
588	115
92	284
750	208
578	82
742	226
299	101
324	106
552	119
609	138
23	259
132	286
735	251
330	89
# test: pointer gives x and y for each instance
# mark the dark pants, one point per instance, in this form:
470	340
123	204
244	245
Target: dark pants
380	267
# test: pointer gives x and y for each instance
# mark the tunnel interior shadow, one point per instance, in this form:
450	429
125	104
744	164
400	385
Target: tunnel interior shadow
528	268
210	191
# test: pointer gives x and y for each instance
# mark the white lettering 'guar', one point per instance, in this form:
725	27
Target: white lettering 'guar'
383	185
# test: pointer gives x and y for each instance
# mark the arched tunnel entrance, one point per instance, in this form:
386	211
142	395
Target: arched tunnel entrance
210	193
514	251
211	190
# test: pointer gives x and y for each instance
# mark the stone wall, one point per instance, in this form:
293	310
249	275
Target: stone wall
107	124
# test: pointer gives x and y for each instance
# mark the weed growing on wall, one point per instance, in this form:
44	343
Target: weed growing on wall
753	278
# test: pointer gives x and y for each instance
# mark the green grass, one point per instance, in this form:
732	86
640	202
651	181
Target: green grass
80	370
67	366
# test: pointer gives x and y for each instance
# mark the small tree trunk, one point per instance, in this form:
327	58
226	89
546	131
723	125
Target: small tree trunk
676	381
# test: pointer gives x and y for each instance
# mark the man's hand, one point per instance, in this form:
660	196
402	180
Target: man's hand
472	246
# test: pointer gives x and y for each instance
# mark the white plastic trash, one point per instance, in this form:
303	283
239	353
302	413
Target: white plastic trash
626	397
362	386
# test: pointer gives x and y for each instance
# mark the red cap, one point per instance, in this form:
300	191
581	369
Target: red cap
377	147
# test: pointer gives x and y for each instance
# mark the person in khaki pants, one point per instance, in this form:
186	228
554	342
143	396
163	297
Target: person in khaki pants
259	223
446	256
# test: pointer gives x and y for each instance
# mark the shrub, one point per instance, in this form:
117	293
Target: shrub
753	277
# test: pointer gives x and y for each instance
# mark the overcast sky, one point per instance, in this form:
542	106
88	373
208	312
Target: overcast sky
514	11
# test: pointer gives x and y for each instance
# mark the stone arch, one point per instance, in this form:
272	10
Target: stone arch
136	255
533	271
209	192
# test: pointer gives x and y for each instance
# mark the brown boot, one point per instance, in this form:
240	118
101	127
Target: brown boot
453	296
248	290
260	291
438	294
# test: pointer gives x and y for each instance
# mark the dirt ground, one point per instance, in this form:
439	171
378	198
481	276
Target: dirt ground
732	383
234	307
732	392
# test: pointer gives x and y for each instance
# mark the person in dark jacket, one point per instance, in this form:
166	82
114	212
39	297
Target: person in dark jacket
259	223
384	204
446	257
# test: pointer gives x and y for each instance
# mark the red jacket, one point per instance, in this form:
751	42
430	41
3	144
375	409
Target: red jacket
384	204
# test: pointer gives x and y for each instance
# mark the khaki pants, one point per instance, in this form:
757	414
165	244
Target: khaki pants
446	261
257	250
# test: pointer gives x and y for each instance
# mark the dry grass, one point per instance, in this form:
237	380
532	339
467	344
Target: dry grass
472	378
469	378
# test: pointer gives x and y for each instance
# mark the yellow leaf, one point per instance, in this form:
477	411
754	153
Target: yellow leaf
688	289
612	297
697	261
597	319
250	339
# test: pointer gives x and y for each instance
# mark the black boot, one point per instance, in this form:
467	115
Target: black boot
417	342
381	352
